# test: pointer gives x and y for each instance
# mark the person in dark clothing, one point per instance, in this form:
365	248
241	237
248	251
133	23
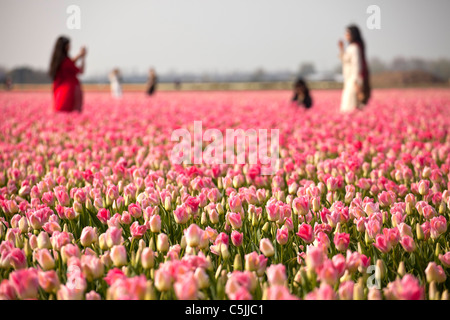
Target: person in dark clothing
301	94
152	82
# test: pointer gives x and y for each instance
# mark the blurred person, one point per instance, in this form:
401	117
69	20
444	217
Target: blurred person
8	83
177	84
356	92
67	92
301	94
152	82
115	80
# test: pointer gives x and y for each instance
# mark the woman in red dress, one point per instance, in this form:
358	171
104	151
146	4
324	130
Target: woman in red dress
67	92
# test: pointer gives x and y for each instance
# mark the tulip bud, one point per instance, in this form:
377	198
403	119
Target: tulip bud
119	256
155	223
432	291
89	205
202	278
214	216
23	224
437	251
147	258
315	204
401	269
43	241
380	271
33	242
358	290
237	262
266	227
88	236
225	253
162	243
419	232
168	203
374	294
445	295
45	259
27	248
442	208
219	208
266	247
152	245
204	219
77	208
102	242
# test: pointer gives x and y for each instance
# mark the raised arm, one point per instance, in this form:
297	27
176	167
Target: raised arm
81	56
341	49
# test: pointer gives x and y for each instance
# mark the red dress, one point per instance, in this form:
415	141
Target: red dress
66	87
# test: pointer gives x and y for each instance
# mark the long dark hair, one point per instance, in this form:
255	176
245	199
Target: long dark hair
355	35
356	38
59	53
301	84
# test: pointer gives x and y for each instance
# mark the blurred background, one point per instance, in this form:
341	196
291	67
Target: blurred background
205	44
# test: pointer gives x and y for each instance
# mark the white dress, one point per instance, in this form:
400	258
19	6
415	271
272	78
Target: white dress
116	89
351	70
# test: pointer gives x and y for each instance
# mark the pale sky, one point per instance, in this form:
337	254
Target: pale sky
218	36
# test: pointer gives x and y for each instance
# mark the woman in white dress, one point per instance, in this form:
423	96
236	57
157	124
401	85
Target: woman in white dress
114	79
356	92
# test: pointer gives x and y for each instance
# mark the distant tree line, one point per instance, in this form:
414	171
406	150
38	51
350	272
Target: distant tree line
439	68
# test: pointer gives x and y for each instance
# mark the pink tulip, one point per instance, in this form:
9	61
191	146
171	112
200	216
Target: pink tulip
137	231
279	292
339	264
346	290
92	267
59	240
438	226
103	215
237	238
276	274
155	223
48	281
434	272
113	237
305	232
45	259
408	244
119	256
181	215
235	220
408	288
341	241
301	205
25	283
88	236
186	288
314	257
328	273
266	247
162	242
382	244
17	259
445	259
282	236
92	295
193	235
135	210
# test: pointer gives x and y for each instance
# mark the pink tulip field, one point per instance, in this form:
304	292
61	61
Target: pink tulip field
92	205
